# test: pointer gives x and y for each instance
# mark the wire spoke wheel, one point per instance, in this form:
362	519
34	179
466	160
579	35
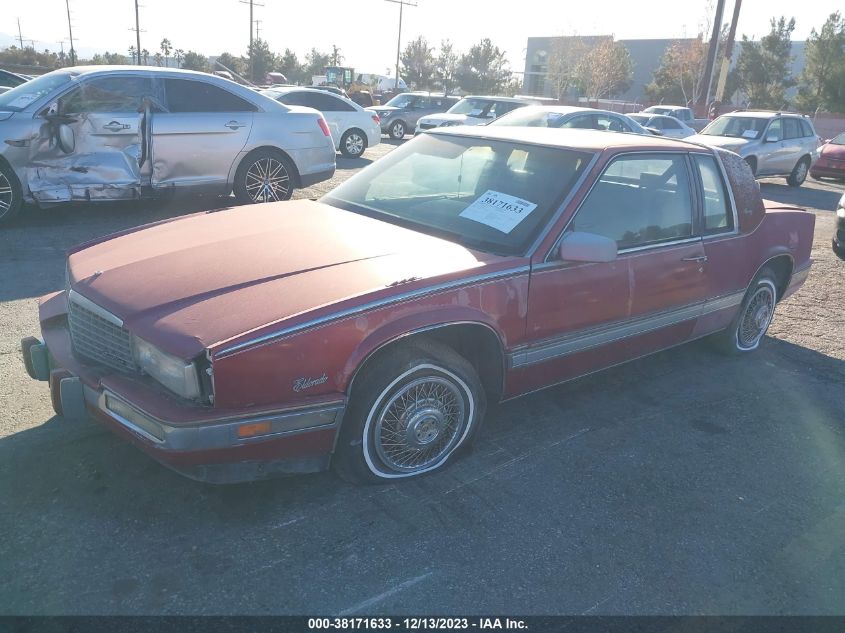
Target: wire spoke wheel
756	318
267	180
420	424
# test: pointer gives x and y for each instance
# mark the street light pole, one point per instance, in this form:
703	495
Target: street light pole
401	4
251	3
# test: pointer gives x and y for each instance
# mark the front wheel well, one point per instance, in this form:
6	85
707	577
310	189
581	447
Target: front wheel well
477	343
296	178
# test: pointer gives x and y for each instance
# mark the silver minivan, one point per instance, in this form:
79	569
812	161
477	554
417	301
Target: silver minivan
105	133
772	143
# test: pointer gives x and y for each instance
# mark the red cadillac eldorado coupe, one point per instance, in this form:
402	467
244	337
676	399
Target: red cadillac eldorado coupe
370	329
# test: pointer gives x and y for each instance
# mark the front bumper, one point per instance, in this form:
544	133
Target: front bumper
827	170
202	443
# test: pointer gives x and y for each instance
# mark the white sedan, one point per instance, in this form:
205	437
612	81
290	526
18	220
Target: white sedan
663	123
353	128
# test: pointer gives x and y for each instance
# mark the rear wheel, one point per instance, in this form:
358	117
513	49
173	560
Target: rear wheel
799	173
839	250
264	176
11	197
397	130
353	143
748	328
410	411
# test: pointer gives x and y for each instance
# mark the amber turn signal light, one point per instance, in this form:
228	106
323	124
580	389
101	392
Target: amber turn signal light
256	428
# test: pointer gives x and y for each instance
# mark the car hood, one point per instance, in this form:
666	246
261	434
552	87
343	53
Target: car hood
390	109
4	114
830	150
188	284
446	116
732	143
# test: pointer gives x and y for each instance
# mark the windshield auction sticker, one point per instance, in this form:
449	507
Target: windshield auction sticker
498	210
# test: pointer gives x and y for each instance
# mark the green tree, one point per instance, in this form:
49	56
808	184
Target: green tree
179	55
762	68
678	78
605	70
418	63
484	68
290	67
564	59
446	67
28	56
166	47
822	82
336	56
145	55
158	58
315	63
262	60
133	54
113	59
195	61
235	64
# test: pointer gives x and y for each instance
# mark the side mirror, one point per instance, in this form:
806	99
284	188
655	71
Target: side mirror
66	139
772	138
579	246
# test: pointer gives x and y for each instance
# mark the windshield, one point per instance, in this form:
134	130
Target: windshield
472	107
658	110
838	140
736	126
401	101
18	98
640	118
489	195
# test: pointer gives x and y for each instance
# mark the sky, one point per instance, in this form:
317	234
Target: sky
366	30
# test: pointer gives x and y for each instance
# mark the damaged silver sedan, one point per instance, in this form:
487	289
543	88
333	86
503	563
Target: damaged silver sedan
104	133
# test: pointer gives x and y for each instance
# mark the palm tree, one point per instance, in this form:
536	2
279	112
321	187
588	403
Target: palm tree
166	47
179	55
158	59
146	55
132	53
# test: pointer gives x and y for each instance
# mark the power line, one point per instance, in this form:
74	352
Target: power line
401	4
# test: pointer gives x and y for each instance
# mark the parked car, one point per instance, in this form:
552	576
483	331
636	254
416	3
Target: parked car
571	117
372	327
472	111
353	128
839	235
665	125
400	114
11	80
104	133
772	143
683	114
830	162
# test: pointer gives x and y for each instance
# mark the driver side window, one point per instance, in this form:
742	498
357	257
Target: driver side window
775	129
108	94
639	200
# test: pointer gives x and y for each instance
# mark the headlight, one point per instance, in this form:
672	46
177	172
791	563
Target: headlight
170	371
450	123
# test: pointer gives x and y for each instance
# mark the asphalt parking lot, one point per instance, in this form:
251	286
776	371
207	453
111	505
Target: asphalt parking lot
684	483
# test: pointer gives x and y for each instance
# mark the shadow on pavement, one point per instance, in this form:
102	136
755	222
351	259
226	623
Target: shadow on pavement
684	482
801	196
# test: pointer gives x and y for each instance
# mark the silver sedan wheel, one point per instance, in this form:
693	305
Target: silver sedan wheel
354	144
6	194
267	180
801	172
758	315
420	424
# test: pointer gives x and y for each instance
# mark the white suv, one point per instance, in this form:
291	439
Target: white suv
772	143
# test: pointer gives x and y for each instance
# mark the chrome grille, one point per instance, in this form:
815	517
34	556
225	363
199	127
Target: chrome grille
97	338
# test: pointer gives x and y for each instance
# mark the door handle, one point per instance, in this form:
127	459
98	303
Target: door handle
234	125
116	126
697	258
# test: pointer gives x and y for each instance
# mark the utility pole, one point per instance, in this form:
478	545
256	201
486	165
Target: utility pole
251	4
707	78
729	49
137	33
20	37
70	33
401	4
